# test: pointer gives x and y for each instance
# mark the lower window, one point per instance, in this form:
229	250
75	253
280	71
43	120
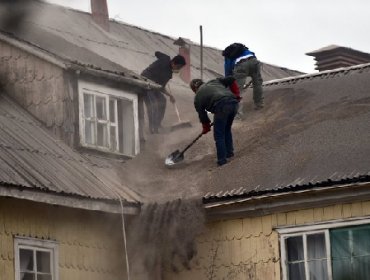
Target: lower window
333	254
35	259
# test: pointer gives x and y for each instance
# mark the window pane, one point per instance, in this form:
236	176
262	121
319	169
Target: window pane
102	135
89	132
318	270
350	253
101	113
112	110
341	269
26	260
296	271
113	138
316	248
361	268
44	277
27	276
361	238
88	105
295	248
43	261
340	242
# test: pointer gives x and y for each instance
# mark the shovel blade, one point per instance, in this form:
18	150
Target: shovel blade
174	158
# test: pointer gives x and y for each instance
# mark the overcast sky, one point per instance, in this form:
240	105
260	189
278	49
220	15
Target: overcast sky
280	32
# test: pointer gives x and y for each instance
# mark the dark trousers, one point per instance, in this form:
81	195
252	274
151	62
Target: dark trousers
225	111
156	107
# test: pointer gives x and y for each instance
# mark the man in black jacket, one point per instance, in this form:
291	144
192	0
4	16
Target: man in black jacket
160	71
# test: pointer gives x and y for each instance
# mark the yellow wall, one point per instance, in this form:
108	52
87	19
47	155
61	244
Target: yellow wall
90	243
249	248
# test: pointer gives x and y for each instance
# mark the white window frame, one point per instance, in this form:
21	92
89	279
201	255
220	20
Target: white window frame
106	92
37	245
324	227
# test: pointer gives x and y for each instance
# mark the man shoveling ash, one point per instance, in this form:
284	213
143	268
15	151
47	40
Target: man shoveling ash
219	97
160	71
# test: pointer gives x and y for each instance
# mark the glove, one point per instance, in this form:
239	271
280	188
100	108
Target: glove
206	128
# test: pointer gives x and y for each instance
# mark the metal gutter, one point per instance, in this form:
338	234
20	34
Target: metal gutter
109	206
281	202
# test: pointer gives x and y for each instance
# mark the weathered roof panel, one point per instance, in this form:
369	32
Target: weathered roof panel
74	35
30	157
314	127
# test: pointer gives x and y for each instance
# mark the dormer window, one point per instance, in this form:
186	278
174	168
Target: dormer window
108	119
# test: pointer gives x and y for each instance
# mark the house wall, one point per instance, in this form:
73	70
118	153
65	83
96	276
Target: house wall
90	243
42	88
249	248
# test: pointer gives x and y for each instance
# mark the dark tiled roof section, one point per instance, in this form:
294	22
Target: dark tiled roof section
31	158
320	75
244	193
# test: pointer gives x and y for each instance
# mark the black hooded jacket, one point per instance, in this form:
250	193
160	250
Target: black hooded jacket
159	71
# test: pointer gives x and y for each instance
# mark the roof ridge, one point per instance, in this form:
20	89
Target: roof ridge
310	76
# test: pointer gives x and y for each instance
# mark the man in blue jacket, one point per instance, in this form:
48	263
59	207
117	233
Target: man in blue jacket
240	62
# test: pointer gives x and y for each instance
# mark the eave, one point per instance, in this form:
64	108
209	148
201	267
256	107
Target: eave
69	200
289	201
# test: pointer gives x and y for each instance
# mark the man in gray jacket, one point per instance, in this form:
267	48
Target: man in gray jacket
216	97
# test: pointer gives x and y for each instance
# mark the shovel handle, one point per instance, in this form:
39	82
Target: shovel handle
192	143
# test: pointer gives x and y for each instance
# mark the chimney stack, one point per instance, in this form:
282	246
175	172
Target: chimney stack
99	11
184	50
333	56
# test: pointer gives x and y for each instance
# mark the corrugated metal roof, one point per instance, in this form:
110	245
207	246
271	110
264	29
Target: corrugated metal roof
74	35
294	186
313	128
30	157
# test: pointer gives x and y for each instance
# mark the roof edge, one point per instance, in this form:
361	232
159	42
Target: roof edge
285	202
79	202
32	49
316	75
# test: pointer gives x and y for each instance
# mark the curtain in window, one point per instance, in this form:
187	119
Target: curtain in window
296	268
316	256
350	250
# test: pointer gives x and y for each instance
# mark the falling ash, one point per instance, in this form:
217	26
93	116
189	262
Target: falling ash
163	237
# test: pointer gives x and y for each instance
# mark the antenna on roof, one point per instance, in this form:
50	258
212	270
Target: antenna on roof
201	51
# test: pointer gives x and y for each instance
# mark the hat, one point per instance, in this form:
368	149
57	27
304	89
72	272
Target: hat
195	84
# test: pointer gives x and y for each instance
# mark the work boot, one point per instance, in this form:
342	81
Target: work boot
258	106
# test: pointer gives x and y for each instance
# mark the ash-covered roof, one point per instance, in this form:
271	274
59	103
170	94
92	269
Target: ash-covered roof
313	128
75	36
31	159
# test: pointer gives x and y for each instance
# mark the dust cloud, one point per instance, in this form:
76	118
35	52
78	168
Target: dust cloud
163	238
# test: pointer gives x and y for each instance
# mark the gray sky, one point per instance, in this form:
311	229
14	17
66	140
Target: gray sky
280	32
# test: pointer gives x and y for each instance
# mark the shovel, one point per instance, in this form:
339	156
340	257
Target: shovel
178	156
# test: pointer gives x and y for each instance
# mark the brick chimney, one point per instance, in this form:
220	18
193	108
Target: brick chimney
99	11
333	56
184	50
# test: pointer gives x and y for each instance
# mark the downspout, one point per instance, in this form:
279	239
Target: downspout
123	226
